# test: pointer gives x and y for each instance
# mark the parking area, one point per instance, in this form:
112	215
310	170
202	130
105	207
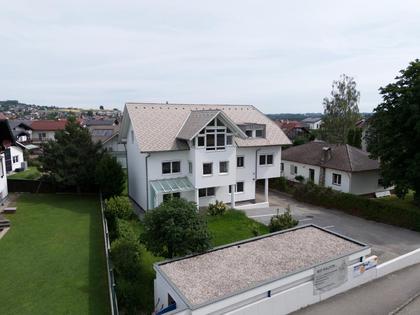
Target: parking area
387	241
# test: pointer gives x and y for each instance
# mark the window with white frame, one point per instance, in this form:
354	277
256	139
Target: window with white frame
293	169
207	168
239	187
216	136
1	167
282	167
259	133
190	167
336	179
171	167
15	158
266	159
223	167
169	196
240	161
248	133
206	192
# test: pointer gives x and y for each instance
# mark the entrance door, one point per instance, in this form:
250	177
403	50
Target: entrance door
312	174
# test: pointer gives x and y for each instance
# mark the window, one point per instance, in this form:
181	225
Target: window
336	179
171	167
207	168
312	174
248	133
223	167
381	182
200	141
167	197
171	301
239	187
215	136
293	169
240	161
190	167
206	192
282	167
229	139
266	159
1	168
259	133
15	159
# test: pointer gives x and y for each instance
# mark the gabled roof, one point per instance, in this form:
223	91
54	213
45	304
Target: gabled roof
198	119
6	136
343	157
48	125
21	123
311	120
99	122
156	126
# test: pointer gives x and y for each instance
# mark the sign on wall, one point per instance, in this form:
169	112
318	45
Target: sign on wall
330	275
369	263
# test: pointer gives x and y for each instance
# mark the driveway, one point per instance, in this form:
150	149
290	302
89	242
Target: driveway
387	241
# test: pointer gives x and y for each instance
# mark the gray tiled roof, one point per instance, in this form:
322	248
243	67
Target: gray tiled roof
196	121
311	119
156	125
343	157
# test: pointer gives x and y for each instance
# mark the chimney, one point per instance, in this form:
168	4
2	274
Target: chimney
326	154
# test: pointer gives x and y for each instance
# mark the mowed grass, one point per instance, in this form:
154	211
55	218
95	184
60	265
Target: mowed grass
52	259
30	173
231	227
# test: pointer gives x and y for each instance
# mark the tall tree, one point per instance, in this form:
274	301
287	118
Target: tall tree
341	110
72	158
393	135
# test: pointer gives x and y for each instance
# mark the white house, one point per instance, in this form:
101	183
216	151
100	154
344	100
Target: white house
199	152
117	149
44	130
341	167
6	140
312	122
13	158
273	274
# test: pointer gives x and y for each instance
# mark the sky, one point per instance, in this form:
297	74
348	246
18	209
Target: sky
280	56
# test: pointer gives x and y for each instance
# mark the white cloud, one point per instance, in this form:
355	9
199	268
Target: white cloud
278	55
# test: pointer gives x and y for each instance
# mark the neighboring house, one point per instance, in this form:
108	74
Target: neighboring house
341	167
106	131
14	158
312	122
363	124
293	129
21	130
6	140
201	153
44	130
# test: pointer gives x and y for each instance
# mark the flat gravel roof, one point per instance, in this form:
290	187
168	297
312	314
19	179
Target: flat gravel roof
234	268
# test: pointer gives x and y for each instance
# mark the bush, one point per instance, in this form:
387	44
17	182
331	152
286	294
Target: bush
371	209
218	208
300	178
282	221
109	176
175	228
124	230
118	207
125	255
282	184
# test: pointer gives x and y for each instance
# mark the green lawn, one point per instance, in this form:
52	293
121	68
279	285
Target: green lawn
52	259
407	202
31	173
231	227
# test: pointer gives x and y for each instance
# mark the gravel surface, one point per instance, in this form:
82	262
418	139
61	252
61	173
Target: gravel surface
221	272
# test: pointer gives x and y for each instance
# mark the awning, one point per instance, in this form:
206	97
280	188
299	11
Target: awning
171	185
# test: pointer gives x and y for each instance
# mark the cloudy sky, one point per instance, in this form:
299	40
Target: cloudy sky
279	55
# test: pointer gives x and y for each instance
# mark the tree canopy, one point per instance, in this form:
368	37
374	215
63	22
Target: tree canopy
175	229
393	134
341	110
109	176
71	159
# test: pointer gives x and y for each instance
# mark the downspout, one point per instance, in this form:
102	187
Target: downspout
128	173
256	164
147	182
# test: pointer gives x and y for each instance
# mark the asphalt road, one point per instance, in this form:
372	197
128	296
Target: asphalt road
387	241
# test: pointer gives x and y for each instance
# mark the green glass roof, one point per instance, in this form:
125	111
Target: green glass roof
172	185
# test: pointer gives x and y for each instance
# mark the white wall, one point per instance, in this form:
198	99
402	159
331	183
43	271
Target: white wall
16	151
345	180
49	135
365	183
302	170
3	179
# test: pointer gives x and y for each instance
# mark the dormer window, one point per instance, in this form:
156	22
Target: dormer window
248	132
259	133
215	136
253	130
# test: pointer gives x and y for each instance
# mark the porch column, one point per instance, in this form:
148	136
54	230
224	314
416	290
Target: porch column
266	189
197	199
232	196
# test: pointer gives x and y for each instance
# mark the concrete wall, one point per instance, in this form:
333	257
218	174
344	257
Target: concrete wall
3	179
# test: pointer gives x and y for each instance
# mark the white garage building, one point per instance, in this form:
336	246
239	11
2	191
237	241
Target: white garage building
273	274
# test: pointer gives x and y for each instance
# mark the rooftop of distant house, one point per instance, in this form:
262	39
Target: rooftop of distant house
288	125
342	157
240	266
311	120
48	125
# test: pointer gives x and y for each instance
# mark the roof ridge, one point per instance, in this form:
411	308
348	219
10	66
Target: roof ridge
348	156
184	104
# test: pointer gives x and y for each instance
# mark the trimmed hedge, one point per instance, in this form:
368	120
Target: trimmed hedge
371	209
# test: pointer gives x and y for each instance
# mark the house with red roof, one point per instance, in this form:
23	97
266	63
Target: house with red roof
44	130
293	128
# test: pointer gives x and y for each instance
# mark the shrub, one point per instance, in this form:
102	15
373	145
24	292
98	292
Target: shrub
109	176
175	228
255	228
300	178
279	183
118	207
371	209
125	255
282	221
124	230
218	208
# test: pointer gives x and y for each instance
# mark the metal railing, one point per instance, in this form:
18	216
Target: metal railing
109	267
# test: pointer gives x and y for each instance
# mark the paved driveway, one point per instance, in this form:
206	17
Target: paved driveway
387	241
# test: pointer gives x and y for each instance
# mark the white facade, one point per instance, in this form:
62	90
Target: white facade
16	156
146	167
116	149
358	183
3	178
42	136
